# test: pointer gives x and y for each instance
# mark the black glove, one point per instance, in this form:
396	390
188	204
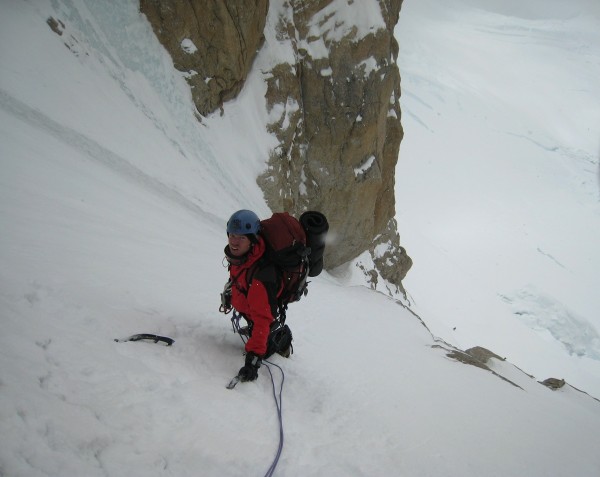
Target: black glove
249	372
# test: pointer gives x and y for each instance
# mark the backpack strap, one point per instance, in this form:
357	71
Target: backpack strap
302	290
268	274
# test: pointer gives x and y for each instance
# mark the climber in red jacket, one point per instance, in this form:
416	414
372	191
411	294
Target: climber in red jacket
254	288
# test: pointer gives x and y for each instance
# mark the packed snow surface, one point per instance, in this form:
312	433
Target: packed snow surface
113	204
498	183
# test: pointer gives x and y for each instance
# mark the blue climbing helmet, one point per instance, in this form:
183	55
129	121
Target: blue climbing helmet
243	222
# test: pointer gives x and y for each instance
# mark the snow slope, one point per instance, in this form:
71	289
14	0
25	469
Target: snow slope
113	202
498	180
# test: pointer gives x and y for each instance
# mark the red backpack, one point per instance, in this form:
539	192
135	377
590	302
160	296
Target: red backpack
296	248
287	249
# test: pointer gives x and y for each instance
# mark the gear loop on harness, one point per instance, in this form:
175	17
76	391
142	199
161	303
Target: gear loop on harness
226	306
235	322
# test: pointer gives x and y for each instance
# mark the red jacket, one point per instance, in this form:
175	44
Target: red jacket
256	301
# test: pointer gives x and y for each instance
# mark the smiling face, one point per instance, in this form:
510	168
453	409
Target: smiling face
239	244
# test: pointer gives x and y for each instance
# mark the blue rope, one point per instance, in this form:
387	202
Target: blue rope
235	321
278	404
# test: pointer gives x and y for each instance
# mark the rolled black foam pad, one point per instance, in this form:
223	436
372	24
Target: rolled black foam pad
316	227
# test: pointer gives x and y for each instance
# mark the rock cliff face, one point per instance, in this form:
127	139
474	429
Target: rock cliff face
213	41
337	107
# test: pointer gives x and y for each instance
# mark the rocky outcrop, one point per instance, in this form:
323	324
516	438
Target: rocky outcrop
482	354
477	356
339	129
553	383
214	42
336	107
